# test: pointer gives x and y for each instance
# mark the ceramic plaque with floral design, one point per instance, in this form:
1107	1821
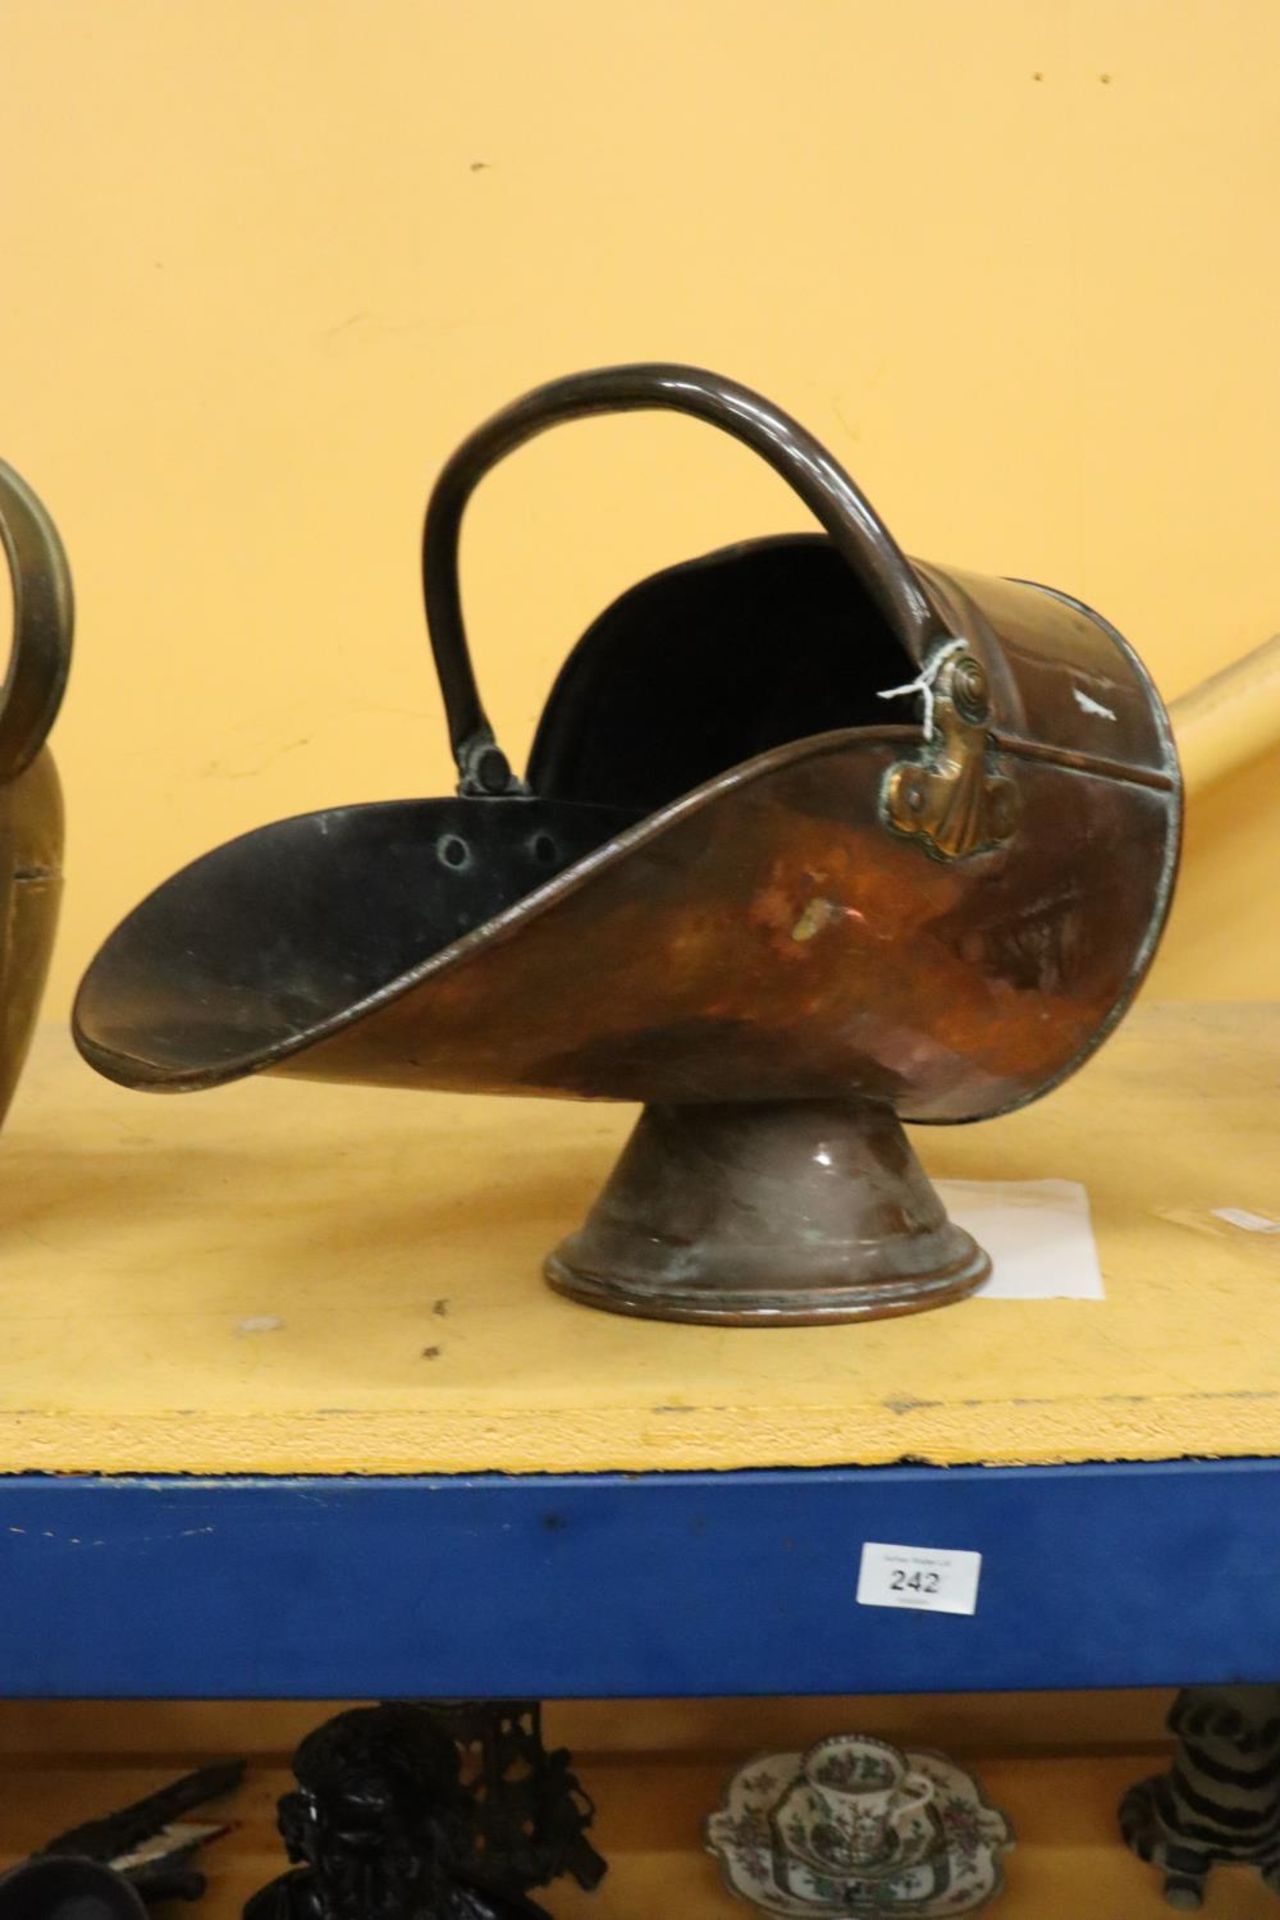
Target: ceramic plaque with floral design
855	1828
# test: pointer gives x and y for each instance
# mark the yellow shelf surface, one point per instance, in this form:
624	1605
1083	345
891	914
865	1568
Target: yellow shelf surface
287	1278
651	1795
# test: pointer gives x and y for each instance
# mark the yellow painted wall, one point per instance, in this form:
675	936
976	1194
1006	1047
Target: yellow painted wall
262	262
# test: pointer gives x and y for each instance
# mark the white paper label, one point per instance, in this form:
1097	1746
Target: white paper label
1248	1222
928	1579
1038	1233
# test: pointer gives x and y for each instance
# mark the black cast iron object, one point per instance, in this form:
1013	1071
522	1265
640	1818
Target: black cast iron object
733	886
531	1815
31	828
408	1812
68	1889
106	1869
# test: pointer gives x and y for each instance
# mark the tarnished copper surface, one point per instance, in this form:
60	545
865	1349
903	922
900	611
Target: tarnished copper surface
776	943
769	939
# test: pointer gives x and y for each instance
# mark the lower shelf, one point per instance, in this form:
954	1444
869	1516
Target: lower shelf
1069	1860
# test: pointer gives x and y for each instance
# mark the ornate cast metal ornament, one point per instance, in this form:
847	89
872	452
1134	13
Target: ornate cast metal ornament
407	1812
736	883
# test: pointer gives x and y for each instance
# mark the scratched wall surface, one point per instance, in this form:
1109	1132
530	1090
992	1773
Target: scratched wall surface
263	265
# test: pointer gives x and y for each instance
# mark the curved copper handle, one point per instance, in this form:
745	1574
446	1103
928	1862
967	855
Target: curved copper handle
855	527
43	618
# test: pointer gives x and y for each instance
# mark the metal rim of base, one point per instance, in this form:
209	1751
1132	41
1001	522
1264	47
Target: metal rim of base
801	1306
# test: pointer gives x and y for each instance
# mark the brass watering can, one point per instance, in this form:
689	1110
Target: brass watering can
30	797
813	839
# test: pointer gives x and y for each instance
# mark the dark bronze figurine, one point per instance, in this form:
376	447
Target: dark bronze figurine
813	839
407	1812
30	796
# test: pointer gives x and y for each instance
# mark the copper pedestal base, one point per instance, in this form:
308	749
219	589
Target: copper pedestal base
768	1215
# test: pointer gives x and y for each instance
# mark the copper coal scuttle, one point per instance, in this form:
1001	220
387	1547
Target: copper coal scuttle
813	839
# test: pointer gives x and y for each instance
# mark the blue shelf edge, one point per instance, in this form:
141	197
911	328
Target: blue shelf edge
613	1585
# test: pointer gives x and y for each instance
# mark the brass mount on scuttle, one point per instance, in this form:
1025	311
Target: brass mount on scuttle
947	797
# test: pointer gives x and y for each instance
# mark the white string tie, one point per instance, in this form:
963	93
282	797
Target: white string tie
923	682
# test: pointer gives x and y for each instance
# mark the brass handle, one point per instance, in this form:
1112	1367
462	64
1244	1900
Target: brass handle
848	516
43	619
